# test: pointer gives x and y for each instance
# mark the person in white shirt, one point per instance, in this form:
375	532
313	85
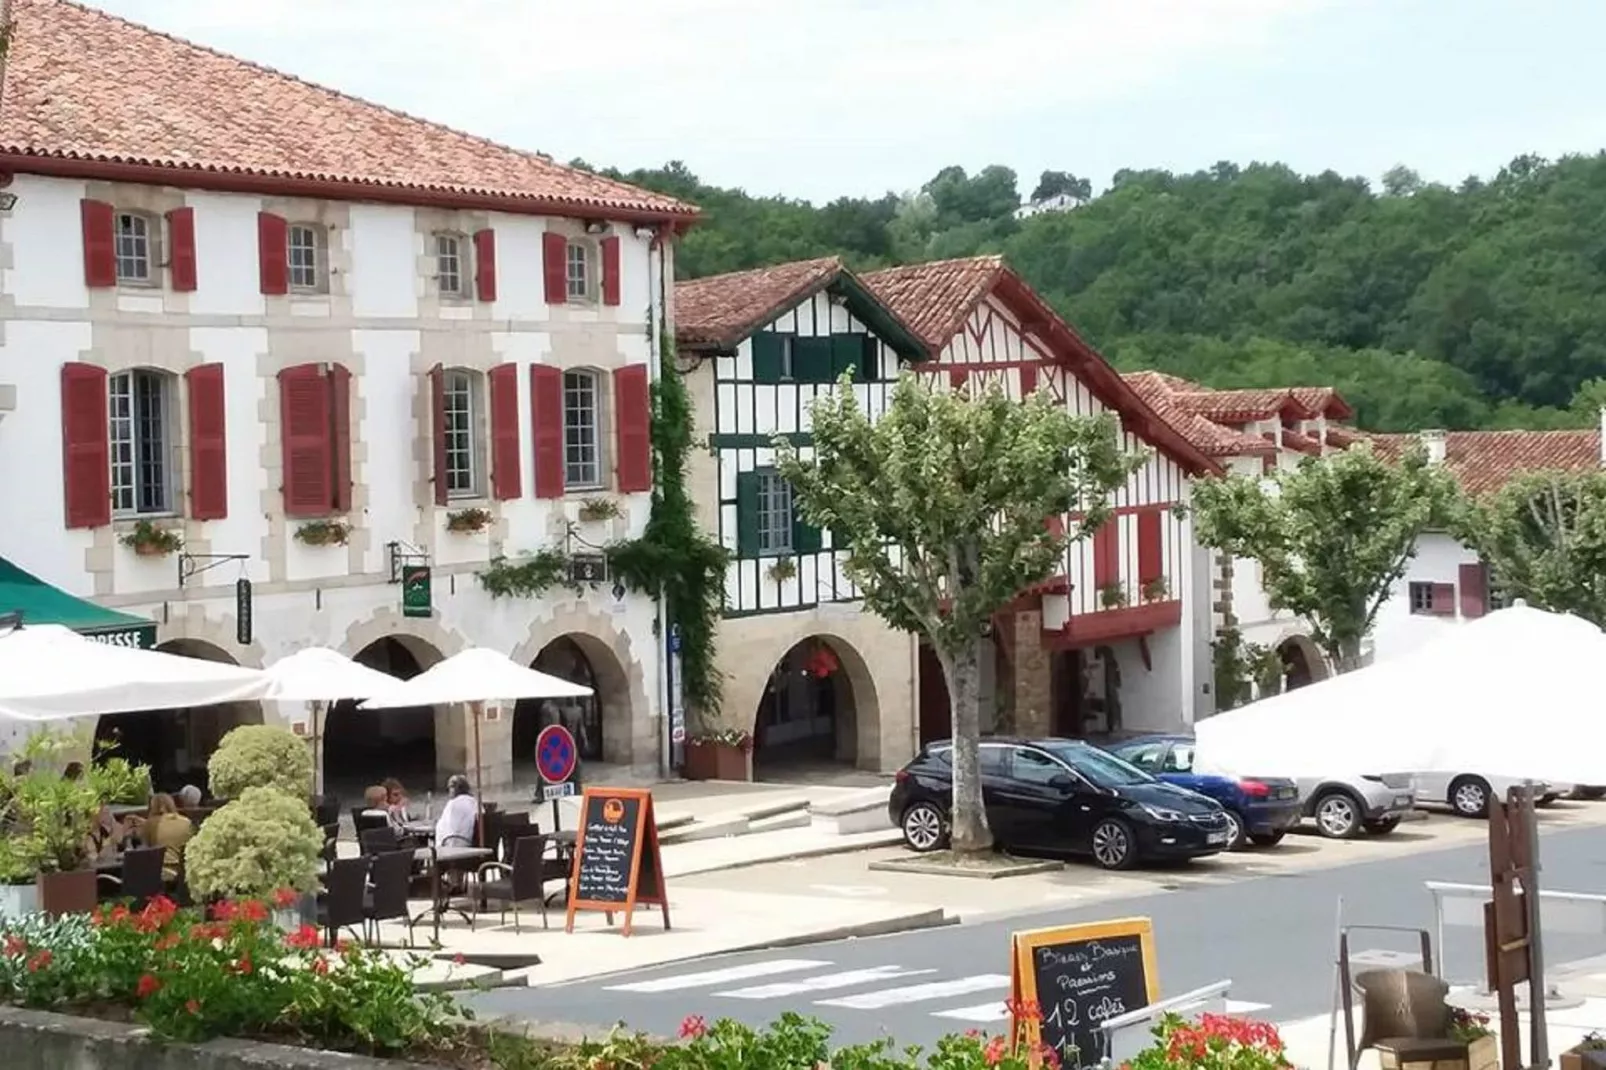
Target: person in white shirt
455	828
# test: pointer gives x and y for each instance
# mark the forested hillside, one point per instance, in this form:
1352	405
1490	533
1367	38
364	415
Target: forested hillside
1482	306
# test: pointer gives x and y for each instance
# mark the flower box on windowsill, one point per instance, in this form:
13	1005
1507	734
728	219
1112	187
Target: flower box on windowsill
148	540
597	510
323	533
468	521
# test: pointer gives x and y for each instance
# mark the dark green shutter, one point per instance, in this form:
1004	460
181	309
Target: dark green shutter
847	354
869	359
767	351
812	360
747	514
805	536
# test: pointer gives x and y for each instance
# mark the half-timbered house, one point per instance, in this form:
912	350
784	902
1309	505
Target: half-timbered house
819	678
1118	641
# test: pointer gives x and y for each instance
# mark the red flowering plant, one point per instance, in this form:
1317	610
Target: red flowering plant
1212	1042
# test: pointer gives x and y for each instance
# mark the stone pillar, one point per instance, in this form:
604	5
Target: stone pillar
1221	592
1032	680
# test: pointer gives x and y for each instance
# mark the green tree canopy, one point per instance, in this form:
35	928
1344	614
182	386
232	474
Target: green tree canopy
943	506
1544	537
1332	536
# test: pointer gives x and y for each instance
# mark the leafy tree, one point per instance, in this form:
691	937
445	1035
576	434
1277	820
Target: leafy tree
942	505
1062	183
1544	537
1401	181
1332	537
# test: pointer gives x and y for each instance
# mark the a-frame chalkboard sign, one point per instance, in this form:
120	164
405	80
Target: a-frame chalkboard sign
1079	976
617	866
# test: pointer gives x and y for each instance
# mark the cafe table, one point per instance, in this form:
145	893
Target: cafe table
447	859
423	830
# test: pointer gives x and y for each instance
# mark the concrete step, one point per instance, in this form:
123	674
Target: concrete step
709	829
861	811
775	807
789	819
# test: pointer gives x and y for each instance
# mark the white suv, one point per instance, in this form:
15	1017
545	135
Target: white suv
1468	794
1344	806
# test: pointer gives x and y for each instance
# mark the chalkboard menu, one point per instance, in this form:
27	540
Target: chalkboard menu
617	864
1080	976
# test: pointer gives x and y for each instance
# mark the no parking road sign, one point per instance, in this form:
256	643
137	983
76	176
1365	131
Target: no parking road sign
555	754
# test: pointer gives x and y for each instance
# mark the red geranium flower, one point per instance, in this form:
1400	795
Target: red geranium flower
286	897
193	1007
15	945
320	965
147	987
693	1027
243	967
225	911
995	1051
253	910
303	939
40	960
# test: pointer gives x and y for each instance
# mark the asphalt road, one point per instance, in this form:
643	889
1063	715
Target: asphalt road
1273	937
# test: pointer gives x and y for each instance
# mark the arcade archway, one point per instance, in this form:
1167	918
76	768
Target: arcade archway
600	723
1302	662
363	747
175	743
817	698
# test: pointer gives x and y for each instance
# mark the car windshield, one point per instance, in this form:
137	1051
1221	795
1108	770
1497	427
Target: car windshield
1101	767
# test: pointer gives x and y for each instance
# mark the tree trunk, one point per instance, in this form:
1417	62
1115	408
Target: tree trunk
963	669
1346	656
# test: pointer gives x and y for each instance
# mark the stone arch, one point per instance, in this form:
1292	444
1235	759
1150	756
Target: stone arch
847	698
356	747
1302	659
620	679
176	743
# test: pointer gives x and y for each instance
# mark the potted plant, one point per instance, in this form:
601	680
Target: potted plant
1112	595
1212	1042
1157	589
595	510
467	521
262	842
19	870
323	533
260	756
782	569
1587	1054
719	754
148	540
1472	1029
121	782
57	815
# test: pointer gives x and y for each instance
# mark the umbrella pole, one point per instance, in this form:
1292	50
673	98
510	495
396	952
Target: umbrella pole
317	751
474	710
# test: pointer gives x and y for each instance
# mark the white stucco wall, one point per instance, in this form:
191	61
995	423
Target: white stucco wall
1399	631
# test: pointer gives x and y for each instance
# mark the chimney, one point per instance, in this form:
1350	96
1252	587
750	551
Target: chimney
1435	443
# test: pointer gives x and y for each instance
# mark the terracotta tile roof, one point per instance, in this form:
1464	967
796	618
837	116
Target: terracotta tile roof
724	309
1344	437
1213	438
1484	461
1301	443
91	95
936	298
1322	401
1242	406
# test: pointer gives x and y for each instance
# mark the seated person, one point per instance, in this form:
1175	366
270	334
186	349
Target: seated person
107	836
396	802
455	827
189	797
169	829
74	771
376	802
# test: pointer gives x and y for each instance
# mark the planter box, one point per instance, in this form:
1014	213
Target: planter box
18	900
67	893
1581	1058
1482	1054
717	761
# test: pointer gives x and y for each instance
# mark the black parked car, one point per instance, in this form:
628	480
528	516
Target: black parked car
1061	795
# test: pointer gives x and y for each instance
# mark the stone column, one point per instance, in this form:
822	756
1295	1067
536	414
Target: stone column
1032	680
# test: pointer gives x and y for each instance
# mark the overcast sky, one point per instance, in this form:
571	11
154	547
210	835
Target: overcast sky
819	98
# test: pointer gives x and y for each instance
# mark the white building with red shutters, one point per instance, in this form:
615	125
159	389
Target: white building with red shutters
311	342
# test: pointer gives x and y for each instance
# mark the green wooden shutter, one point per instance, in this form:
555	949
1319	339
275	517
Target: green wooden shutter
747	513
767	348
805	536
847	354
812	360
869	360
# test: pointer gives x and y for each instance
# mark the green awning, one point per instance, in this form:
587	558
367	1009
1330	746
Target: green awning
40	603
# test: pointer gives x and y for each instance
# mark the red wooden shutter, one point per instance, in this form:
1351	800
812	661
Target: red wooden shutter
340	435
506	462
1107	553
1474	585
437	431
1055	526
181	248
610	270
273	253
957	377
555	267
304	434
485	265
632	403
209	461
1444	599
1151	546
1028	380
546	428
86	449
100	245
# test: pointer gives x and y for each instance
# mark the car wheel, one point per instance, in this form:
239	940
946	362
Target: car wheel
1236	837
1267	839
1338	815
924	828
1113	846
1469	796
1383	827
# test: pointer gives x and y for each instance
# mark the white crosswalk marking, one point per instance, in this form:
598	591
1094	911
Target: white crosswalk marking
710	978
896	997
981	1013
1238	1006
824	983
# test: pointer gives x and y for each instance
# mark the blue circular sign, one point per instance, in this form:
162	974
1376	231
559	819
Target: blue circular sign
555	754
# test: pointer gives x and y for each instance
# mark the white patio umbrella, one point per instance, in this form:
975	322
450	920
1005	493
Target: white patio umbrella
1516	693
50	673
475	676
316	676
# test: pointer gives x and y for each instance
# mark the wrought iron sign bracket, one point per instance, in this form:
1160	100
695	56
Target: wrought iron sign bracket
189	565
401	555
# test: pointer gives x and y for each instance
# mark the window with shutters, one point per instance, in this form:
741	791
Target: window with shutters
1432	599
452	269
773	512
135	237
464	410
308	258
582	431
579	271
141	410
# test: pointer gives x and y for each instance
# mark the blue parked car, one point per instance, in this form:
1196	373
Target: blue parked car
1261	809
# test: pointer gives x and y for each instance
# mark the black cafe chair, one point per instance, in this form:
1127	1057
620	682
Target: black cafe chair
515	824
343	907
522	881
390	876
141	878
379	841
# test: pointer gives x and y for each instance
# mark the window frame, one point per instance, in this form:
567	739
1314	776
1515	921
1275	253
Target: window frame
470	387
465	265
574	432
1162	751
152	256
1059	768
123	431
320	258
782	540
587	280
1420	599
